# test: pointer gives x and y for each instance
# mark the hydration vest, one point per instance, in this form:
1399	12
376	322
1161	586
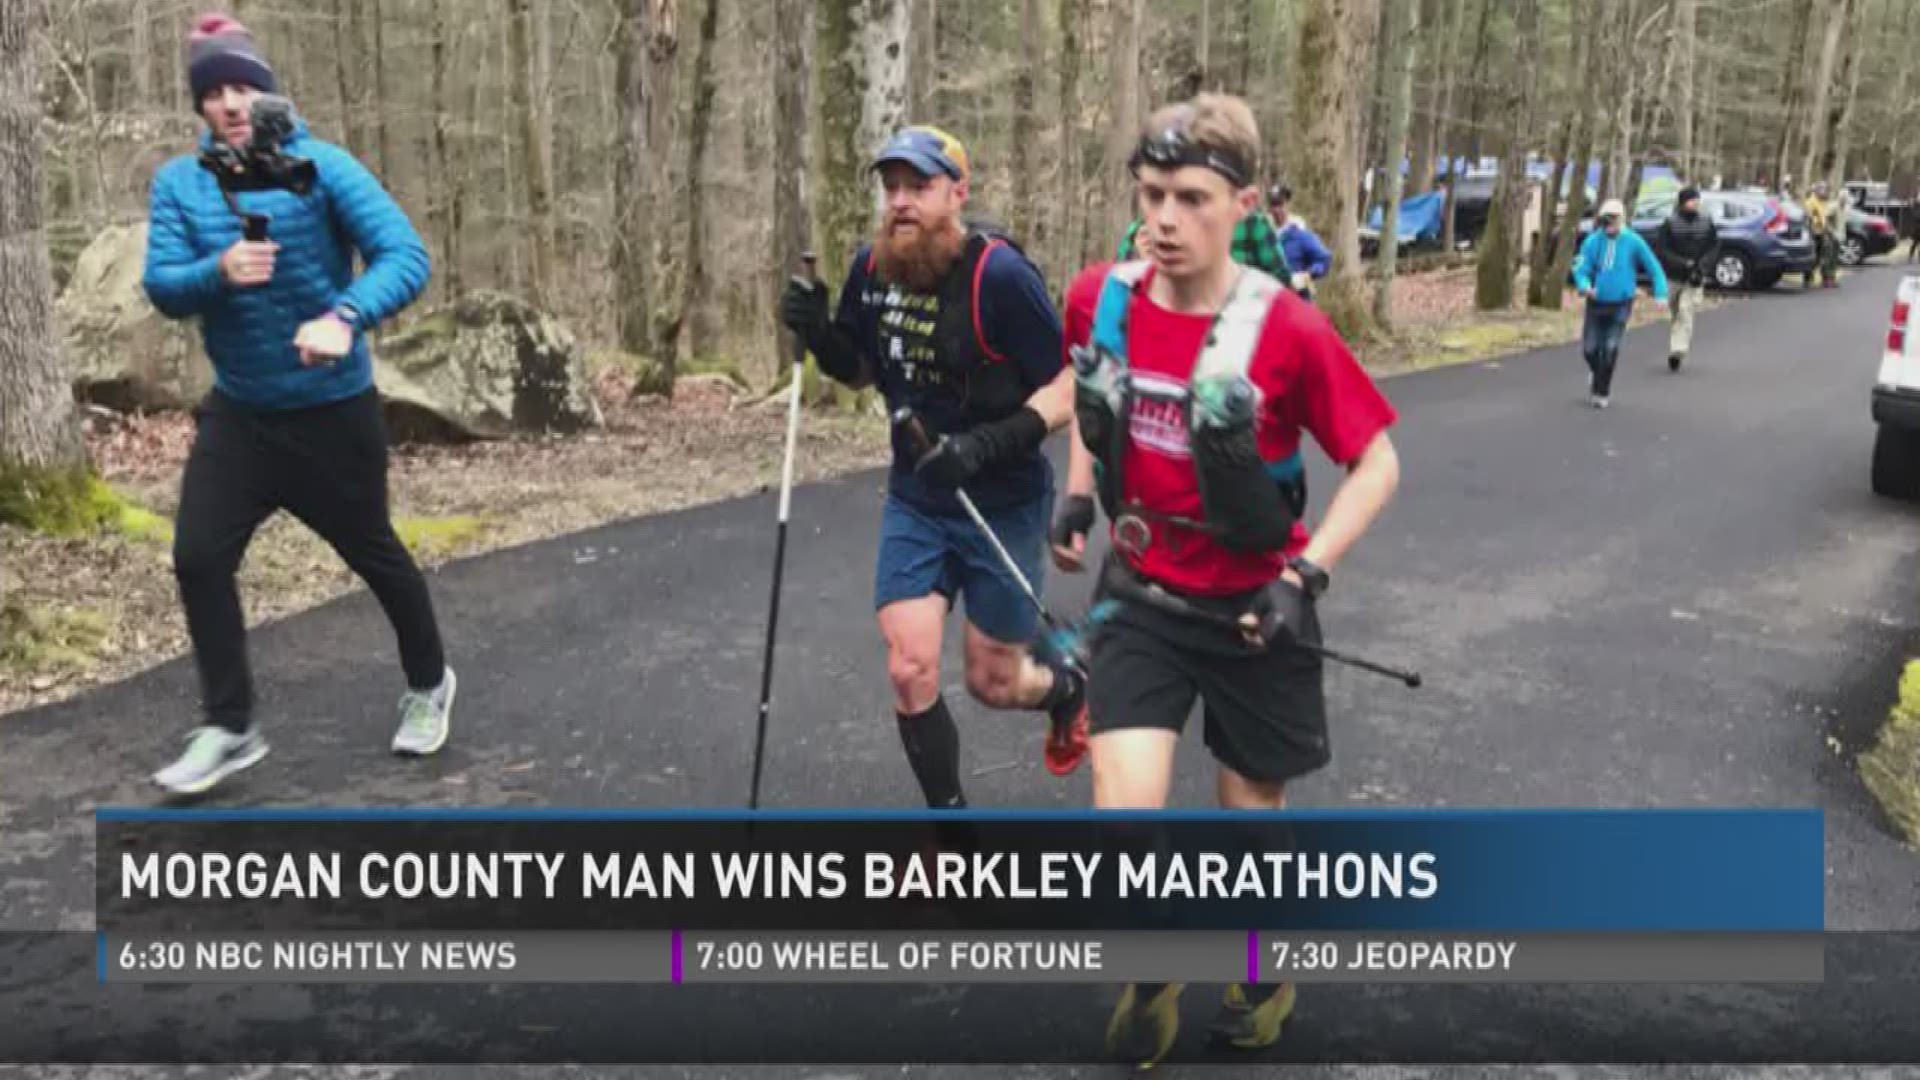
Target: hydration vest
1248	503
990	388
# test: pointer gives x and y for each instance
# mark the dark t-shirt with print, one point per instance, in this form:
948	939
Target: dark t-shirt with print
1015	318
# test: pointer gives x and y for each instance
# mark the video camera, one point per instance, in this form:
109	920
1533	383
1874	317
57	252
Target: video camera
262	164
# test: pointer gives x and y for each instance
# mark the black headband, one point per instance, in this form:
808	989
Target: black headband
1171	149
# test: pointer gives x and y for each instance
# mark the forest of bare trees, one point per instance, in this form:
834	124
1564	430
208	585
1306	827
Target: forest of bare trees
647	169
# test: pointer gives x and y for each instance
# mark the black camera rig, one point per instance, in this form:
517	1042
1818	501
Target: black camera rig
262	164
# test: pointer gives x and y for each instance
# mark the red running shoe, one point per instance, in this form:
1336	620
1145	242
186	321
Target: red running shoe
1066	745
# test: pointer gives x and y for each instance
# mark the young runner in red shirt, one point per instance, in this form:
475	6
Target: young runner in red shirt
1196	378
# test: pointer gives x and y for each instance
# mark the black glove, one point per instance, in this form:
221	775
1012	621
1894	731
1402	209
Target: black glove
956	459
1075	519
1279	612
803	307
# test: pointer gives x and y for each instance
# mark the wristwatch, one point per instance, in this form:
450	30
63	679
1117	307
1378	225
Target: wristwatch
1312	576
346	314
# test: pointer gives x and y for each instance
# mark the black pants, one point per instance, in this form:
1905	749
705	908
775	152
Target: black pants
327	466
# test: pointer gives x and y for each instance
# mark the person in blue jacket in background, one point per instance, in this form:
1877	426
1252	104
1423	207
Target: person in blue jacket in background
293	421
1606	272
1307	257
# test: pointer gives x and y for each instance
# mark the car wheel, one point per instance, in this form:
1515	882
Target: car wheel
1852	252
1730	271
1896	463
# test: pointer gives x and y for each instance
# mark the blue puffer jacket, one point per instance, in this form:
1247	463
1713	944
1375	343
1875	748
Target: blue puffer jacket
249	332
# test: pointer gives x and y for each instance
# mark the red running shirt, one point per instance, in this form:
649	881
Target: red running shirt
1309	381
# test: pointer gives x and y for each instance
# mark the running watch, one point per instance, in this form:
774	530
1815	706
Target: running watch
1313	577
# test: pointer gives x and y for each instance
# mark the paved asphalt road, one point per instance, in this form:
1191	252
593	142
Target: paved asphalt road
1689	600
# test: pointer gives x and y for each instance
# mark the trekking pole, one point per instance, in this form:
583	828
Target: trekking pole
1155	596
780	546
922	443
1061	638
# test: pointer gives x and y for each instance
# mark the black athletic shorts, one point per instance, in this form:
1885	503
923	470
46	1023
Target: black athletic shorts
1264	710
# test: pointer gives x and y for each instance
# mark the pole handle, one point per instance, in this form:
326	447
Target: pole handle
811	276
907	422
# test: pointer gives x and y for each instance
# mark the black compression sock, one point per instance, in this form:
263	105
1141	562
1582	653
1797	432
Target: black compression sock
932	741
1066	692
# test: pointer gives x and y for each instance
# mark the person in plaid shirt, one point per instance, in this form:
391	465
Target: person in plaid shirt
1255	244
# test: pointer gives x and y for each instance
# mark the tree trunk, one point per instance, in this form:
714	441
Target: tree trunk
1243	85
1020	151
842	207
1683	17
1404	16
1123	125
1625	82
344	52
1841	121
1611	74
1820	90
792	219
1476	83
663	47
1493	288
382	105
1420	141
1792	79
1071	250
1205	81
632	194
1898	122
1370	137
141	60
883	106
39	432
534	153
692	209
1593	54
1543	289
923	60
1444	130
449	191
1326	183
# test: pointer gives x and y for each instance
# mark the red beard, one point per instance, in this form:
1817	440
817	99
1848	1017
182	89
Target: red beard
919	260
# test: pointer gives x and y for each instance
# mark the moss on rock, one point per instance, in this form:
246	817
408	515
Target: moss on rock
1891	770
43	641
433	538
74	503
55	501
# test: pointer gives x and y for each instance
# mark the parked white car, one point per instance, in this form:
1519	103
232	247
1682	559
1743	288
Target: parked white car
1896	402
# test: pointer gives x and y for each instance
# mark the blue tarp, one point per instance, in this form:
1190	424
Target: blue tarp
1419	217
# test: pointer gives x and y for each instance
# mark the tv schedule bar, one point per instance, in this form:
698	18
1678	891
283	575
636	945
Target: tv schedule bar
894	956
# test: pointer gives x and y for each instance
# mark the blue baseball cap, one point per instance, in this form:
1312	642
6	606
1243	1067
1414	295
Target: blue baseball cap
927	149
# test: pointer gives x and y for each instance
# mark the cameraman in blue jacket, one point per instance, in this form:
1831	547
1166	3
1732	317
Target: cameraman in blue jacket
256	237
1606	272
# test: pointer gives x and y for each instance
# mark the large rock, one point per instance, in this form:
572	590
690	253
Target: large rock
486	366
123	354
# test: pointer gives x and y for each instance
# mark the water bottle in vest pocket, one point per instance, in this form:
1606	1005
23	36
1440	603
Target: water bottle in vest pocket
1244	505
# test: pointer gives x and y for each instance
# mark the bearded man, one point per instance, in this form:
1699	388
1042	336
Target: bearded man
953	324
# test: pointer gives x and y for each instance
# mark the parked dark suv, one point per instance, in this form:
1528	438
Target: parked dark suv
1761	238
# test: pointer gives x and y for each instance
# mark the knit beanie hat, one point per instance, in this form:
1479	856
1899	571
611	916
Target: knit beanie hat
220	51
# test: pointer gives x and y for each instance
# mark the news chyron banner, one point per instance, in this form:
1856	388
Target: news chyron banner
492	896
